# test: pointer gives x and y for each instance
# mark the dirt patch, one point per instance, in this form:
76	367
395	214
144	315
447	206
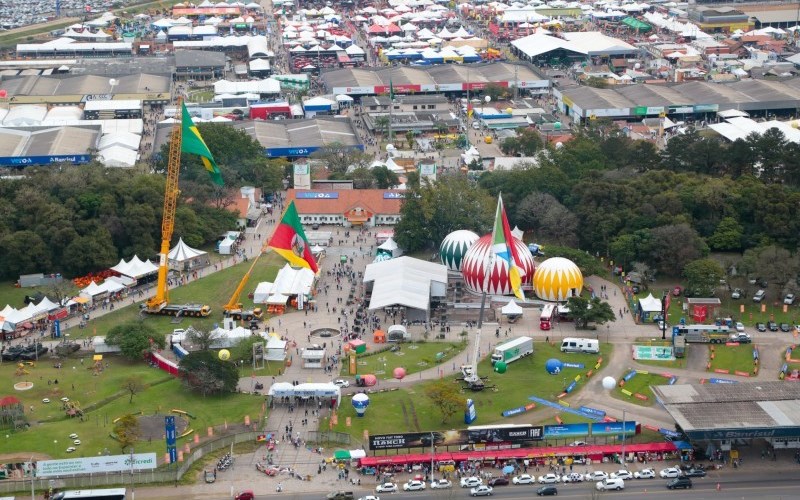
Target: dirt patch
152	426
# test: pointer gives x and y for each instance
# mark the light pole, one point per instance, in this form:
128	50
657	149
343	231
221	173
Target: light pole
664	314
624	462
433	452
33	476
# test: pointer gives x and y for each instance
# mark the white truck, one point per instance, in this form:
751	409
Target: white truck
513	350
590	346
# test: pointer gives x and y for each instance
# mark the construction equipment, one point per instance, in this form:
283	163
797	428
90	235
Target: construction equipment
159	303
233	309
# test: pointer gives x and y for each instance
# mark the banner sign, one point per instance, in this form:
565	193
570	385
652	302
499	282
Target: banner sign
393	196
714	380
21	161
171	437
487	436
57	329
592	411
469	413
566	430
614	428
518	410
94	465
316	195
579	366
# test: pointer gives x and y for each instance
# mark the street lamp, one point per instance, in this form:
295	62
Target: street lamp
664	298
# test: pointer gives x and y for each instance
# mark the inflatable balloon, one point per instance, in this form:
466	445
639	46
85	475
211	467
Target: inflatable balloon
3	93
399	373
500	367
609	383
553	366
224	355
360	403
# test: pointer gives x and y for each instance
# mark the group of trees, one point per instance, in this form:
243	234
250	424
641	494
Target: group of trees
609	195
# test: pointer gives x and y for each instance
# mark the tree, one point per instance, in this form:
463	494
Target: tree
23	252
385	178
126	429
727	236
204	372
702	276
673	246
549	220
584	311
446	397
201	339
339	158
133	385
134	338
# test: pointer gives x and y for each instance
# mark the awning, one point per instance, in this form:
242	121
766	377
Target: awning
81	300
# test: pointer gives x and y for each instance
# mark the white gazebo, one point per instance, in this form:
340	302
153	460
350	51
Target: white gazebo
184	257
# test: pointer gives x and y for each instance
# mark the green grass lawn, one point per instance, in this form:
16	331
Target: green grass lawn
104	399
733	358
9	294
414	357
639	384
408	410
214	290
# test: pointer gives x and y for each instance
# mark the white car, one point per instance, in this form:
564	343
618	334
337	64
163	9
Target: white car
670	472
644	474
789	299
481	491
341	383
572	477
414	485
610	484
549	479
386	488
441	484
597	475
524	479
471	482
578	443
370	497
739	326
622	474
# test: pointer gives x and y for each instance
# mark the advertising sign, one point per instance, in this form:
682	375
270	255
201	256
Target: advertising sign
592	411
566	430
301	169
470	414
21	161
518	410
614	428
93	465
393	196
705	108
57	329
484	436
317	195
680	109
171	435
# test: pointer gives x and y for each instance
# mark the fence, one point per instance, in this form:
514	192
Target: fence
164	474
328	437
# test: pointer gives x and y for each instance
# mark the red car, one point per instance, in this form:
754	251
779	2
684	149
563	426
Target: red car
245	495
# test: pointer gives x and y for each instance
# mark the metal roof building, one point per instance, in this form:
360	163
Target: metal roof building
301	138
148	88
47	145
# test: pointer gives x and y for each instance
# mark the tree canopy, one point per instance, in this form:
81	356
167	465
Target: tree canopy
134	338
205	373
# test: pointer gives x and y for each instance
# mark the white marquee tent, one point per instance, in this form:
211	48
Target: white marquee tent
135	268
406	281
289	281
183	256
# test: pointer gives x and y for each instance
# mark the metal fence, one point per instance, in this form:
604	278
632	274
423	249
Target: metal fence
328	437
164	474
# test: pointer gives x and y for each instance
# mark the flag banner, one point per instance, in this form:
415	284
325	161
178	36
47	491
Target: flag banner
504	248
290	242
193	143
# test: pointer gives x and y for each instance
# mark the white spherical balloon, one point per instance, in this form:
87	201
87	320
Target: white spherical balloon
609	383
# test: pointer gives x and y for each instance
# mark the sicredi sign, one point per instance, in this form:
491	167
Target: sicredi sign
94	465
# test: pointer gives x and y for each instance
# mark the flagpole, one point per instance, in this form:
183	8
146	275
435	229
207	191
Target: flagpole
391	104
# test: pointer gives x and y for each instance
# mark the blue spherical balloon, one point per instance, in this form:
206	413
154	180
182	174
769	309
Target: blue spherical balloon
553	366
360	403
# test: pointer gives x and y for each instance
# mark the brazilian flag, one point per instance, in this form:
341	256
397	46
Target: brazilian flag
193	143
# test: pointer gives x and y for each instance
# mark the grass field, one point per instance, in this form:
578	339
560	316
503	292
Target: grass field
103	399
732	358
640	383
414	357
408	410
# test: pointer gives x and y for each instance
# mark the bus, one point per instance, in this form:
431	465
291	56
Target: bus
547	317
683	334
104	494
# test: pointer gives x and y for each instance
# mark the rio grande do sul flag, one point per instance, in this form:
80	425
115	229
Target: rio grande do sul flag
289	241
503	248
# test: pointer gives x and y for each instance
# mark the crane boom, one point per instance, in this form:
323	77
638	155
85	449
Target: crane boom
234	307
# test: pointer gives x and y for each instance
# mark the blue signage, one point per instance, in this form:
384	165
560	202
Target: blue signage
23	161
579	366
613	428
172	438
722	381
669	433
57	328
393	196
592	411
566	430
300	152
317	195
470	414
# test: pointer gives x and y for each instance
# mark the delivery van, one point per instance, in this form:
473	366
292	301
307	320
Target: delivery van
571	344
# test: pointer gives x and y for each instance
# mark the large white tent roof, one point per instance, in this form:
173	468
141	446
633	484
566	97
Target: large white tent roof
650	304
182	252
135	268
403	281
587	43
289	281
266	86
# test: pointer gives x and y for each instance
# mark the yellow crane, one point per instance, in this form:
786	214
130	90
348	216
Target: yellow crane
159	303
233	308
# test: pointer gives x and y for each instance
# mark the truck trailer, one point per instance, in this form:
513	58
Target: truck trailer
513	350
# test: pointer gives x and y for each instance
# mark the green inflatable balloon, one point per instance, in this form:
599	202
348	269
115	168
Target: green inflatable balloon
500	367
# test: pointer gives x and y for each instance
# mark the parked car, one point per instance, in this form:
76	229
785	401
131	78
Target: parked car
597	475
741	338
773	327
245	495
524	479
481	491
572	477
341	383
679	482
695	473
547	491
788	299
739	326
414	485
612	483
471	482
670	472
386	488
578	443
644	474
441	484
549	478
737	293
622	474
759	296
785	327
761	327
498	481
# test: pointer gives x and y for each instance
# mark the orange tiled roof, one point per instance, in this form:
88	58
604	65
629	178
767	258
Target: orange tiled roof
371	200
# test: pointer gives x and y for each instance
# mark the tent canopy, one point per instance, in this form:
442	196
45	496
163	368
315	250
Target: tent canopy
182	252
403	281
511	308
650	304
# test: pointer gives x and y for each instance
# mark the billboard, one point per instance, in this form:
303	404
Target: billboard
93	465
486	436
614	428
21	161
566	430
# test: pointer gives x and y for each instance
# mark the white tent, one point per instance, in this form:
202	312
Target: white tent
405	281
390	246
650	304
225	339
182	255
135	268
289	281
319	390
512	308
276	349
